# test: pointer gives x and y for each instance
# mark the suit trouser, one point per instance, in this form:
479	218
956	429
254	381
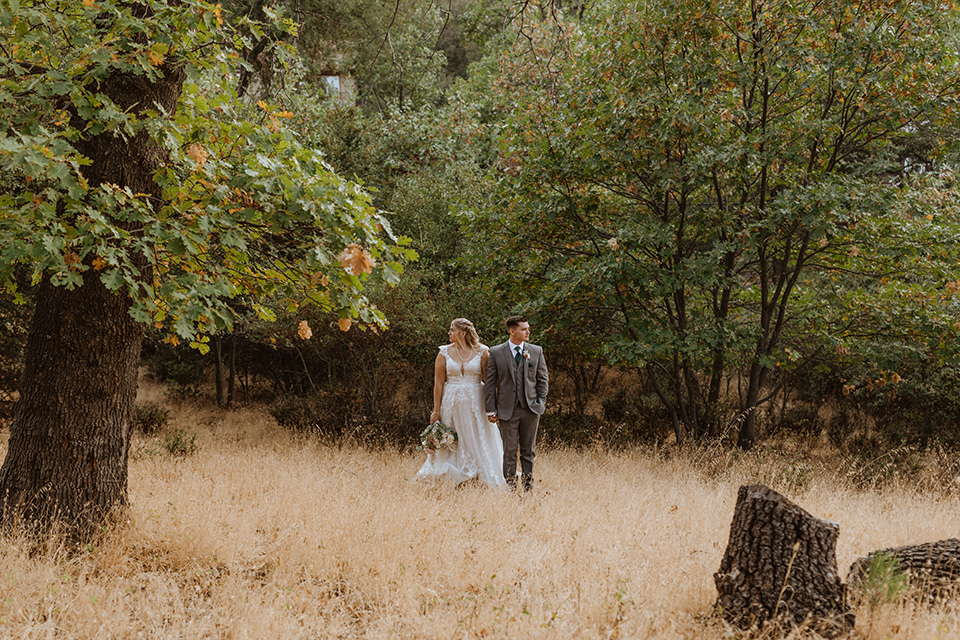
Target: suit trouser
519	432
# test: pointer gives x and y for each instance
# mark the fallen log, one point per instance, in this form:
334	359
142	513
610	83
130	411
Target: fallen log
932	568
780	566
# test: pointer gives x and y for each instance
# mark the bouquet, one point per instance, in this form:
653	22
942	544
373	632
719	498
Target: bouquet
437	436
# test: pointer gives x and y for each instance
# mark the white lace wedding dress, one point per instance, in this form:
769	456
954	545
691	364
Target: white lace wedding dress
479	451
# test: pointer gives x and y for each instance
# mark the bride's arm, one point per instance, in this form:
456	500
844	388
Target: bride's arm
483	360
439	378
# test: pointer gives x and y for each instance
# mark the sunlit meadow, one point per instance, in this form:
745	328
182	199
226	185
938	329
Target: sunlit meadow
261	535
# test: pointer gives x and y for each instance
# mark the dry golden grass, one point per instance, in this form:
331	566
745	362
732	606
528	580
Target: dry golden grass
260	535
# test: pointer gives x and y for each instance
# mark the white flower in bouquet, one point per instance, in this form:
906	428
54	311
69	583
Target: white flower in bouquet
437	436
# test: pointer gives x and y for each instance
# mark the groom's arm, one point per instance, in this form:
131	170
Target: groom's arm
543	378
490	386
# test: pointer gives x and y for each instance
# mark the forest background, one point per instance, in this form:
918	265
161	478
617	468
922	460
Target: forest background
725	221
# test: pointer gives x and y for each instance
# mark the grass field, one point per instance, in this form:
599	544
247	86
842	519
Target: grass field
260	535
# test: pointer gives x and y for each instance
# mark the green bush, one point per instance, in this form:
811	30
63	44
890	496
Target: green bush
150	418
14	320
338	416
303	415
181	367
180	443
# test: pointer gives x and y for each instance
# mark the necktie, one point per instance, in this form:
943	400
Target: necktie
516	358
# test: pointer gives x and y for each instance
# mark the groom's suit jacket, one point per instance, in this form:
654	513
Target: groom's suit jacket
501	380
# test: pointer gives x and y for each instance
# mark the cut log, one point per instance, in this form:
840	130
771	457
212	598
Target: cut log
780	566
933	568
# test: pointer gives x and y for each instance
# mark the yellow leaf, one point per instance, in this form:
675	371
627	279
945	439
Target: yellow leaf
356	259
305	332
344	324
198	154
98	263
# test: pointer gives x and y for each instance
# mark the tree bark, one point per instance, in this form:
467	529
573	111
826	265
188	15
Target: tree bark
748	428
70	436
780	566
69	440
218	369
933	568
231	381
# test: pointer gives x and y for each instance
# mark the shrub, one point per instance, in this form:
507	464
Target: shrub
313	415
180	367
337	416
150	418
180	443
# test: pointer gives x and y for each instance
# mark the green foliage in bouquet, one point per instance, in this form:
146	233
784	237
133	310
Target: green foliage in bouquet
437	436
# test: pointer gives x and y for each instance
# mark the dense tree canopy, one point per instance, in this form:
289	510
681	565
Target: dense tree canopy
674	173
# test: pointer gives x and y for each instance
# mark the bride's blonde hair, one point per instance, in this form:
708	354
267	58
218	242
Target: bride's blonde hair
469	332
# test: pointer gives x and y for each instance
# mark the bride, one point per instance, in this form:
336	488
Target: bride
458	402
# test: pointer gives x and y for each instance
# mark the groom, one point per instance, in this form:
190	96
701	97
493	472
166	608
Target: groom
516	393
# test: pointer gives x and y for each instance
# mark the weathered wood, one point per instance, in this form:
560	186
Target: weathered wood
780	566
933	568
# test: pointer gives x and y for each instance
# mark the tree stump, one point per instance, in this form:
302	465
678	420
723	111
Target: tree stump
933	568
780	566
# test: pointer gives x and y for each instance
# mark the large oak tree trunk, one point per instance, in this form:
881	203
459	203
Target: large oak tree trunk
69	439
67	458
780	565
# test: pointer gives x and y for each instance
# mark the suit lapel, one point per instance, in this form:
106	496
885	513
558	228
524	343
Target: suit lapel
511	363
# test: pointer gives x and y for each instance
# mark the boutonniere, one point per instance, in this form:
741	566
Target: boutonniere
526	354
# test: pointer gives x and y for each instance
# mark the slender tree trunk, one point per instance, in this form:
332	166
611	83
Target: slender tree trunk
231	380
69	440
671	408
218	369
748	429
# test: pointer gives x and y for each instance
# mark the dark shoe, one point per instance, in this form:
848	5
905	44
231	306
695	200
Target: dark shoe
512	483
527	482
